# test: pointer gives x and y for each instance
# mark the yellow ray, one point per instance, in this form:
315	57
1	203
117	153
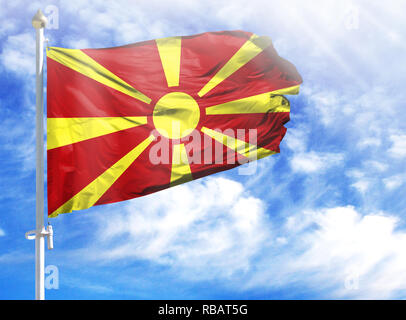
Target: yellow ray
64	131
248	150
79	61
180	165
90	194
263	103
288	90
246	53
272	101
169	51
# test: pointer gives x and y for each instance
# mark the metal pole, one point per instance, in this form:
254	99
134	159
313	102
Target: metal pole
39	22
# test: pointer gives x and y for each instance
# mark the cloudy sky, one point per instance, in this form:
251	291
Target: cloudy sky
324	219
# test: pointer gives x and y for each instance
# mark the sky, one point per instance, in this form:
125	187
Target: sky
324	219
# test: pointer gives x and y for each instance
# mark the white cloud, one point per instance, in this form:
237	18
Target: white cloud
212	226
313	162
348	243
326	248
7	26
362	185
398	148
18	54
2	233
362	182
327	104
357	122
77	43
122	23
369	142
296	139
232	14
18	140
395	181
84	284
375	165
362	117
16	257
215	230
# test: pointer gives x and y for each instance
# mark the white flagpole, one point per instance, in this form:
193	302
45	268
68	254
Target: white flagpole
39	22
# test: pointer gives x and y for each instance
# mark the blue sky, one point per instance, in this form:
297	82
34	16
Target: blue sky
324	219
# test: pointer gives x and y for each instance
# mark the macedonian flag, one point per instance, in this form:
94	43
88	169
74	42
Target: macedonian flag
128	121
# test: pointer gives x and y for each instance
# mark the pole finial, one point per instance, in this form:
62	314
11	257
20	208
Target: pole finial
39	20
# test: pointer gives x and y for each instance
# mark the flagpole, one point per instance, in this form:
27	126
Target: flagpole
39	22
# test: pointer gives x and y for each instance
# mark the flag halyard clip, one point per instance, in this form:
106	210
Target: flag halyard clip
46	42
48	232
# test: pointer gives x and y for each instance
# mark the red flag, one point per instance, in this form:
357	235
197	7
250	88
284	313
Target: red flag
127	121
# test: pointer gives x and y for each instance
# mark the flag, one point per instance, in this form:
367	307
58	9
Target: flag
124	122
